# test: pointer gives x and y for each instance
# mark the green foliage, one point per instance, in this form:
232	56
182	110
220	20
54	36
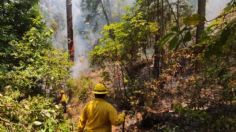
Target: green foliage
29	67
231	5
193	20
36	63
215	121
30	114
123	41
224	42
81	87
176	38
16	18
31	64
219	54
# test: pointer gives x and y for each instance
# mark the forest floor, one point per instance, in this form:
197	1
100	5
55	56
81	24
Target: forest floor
160	115
154	119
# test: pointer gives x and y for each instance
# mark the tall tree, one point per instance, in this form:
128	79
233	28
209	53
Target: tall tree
159	15
161	19
70	29
202	14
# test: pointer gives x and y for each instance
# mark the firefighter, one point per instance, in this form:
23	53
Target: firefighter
98	115
63	100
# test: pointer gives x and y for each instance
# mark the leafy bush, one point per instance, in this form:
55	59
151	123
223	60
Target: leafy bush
30	114
29	67
81	87
123	41
37	65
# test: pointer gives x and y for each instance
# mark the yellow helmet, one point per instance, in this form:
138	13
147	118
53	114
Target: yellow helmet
100	89
62	91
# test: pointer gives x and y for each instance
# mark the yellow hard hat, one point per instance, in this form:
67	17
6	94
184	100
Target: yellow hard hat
100	89
62	91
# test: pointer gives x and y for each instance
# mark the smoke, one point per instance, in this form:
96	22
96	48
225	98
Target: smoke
54	13
215	7
87	25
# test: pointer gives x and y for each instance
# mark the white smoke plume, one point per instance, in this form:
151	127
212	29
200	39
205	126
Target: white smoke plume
54	13
85	37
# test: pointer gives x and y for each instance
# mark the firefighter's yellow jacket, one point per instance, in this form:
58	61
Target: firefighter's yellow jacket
98	116
64	98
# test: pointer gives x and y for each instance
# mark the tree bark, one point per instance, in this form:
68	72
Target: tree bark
202	14
70	29
178	12
157	50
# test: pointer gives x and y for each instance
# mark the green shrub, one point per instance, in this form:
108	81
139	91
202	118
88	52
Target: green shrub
81	87
30	114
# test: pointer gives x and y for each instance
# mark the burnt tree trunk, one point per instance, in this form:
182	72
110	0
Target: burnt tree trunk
70	29
202	14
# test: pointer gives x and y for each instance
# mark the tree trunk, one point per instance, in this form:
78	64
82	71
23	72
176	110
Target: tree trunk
157	50
202	13
178	12
156	67
70	29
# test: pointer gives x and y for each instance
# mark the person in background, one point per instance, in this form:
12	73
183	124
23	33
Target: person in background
98	115
63	100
